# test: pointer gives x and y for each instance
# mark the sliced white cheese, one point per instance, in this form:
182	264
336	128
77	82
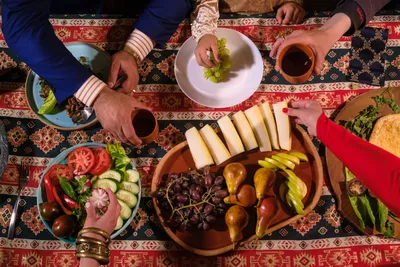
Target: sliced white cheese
245	131
283	125
269	121
256	121
218	150
231	136
198	149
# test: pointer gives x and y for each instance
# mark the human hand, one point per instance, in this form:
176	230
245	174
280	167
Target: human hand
207	42
307	112
292	12
123	62
319	41
113	110
108	221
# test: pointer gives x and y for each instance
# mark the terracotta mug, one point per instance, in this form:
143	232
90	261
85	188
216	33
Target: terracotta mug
145	125
288	74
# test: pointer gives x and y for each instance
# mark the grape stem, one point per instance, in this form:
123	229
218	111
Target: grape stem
206	199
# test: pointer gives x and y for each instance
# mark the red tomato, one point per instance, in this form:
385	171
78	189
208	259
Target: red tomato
102	161
62	170
81	160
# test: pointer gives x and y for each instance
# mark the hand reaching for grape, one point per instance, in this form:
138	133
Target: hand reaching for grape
207	43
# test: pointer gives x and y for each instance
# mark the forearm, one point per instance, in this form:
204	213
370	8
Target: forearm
376	168
336	26
205	18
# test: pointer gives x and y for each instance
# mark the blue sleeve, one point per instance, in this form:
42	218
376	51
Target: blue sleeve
161	18
30	35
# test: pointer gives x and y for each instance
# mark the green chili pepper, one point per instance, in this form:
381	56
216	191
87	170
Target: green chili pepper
67	187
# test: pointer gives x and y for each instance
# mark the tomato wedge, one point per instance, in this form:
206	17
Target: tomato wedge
62	170
81	160
102	161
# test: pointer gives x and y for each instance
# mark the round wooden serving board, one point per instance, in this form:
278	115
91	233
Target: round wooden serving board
336	168
216	240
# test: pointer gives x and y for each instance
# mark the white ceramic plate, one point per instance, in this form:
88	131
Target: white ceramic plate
239	83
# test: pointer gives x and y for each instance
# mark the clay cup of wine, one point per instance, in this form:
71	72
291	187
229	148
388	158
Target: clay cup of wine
296	62
145	125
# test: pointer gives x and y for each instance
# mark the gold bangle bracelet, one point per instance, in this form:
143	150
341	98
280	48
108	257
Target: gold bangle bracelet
93	249
101	259
95	231
85	239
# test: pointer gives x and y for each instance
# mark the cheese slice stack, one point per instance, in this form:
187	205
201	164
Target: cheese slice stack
231	136
269	121
245	131
283	125
198	149
256	121
218	150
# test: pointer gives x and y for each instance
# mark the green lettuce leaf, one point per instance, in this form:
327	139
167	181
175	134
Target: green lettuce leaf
359	210
119	157
383	213
367	205
49	103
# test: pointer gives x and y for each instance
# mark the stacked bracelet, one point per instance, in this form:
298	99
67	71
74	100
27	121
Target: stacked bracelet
88	247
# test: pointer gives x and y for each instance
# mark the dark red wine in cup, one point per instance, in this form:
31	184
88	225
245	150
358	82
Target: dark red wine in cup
144	123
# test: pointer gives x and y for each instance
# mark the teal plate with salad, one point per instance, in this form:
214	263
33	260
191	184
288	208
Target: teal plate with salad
81	174
59	115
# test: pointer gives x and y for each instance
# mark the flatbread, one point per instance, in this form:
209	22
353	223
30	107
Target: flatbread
386	134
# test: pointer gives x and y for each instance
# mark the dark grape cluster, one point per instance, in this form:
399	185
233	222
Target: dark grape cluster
192	199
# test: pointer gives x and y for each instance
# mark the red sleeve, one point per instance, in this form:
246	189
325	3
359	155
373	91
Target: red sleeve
376	168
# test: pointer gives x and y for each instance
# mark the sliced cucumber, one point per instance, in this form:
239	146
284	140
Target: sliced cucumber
120	223
105	183
126	196
125	212
129	186
132	176
110	174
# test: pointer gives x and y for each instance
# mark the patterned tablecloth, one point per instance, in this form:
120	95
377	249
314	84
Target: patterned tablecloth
322	238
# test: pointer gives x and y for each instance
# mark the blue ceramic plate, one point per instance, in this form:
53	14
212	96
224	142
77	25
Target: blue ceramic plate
99	61
62	159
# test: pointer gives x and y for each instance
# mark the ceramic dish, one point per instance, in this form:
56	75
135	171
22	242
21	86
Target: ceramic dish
336	167
216	240
61	159
99	62
239	83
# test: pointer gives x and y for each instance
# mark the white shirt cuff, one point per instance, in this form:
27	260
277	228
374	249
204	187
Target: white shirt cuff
88	92
139	43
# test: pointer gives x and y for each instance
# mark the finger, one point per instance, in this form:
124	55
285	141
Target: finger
113	75
140	105
294	112
114	207
301	104
122	138
295	17
214	49
275	47
288	17
91	211
298	121
319	65
114	134
198	58
206	61
279	15
300	17
130	134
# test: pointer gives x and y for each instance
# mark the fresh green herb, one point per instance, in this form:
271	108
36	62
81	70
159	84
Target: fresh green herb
383	213
119	157
48	104
80	213
389	229
363	124
67	187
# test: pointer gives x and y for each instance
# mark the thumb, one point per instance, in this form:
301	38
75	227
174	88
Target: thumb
113	75
90	210
319	65
214	49
279	15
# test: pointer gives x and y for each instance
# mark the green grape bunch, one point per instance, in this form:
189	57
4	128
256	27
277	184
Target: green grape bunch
216	73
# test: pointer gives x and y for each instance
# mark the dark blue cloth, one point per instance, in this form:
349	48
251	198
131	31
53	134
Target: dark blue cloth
30	35
368	56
